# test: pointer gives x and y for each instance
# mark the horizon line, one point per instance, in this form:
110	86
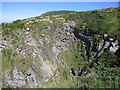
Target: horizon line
46	12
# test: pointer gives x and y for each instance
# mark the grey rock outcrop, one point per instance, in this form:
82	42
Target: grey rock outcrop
41	48
17	80
44	51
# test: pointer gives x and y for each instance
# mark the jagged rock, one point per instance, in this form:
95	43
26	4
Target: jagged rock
17	80
32	79
114	46
41	48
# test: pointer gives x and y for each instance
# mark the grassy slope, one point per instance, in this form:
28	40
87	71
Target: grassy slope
57	13
97	22
106	73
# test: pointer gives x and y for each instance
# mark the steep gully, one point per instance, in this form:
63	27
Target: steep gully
88	45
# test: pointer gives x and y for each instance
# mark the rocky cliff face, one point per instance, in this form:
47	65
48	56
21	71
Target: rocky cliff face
33	56
43	52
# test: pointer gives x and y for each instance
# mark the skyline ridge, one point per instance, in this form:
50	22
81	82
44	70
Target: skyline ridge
12	11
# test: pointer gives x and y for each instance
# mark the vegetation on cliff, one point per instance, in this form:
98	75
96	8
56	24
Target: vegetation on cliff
83	44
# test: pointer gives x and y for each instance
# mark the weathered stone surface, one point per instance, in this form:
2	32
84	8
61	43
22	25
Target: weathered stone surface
42	50
114	46
17	80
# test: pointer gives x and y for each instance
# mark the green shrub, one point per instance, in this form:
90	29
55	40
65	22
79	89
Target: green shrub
9	86
108	59
7	33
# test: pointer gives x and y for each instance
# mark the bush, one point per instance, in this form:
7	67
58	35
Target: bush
108	59
7	33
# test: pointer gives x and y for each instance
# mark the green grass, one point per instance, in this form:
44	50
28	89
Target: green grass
40	24
97	22
50	13
9	87
73	58
50	44
14	25
11	59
